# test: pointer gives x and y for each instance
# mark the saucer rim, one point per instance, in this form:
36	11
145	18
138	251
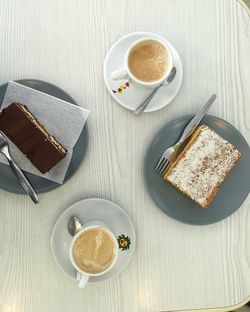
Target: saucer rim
151	34
132	250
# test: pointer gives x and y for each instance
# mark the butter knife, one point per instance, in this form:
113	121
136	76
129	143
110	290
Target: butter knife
170	153
197	119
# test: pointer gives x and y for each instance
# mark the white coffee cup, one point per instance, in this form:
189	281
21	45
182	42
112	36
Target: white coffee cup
86	275
125	73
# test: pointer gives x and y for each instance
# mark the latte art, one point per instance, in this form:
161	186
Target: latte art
94	250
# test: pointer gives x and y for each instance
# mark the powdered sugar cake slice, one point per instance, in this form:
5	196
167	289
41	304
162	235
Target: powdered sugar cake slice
203	165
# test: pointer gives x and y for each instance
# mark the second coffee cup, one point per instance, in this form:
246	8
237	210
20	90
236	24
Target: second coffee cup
93	252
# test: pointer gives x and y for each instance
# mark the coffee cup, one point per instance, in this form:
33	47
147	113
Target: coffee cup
147	62
93	251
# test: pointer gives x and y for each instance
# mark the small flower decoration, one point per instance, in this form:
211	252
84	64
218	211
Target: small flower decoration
121	88
123	242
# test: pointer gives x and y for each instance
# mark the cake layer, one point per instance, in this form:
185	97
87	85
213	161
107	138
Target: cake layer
32	139
203	165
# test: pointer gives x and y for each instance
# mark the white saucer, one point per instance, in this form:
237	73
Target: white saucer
132	95
87	210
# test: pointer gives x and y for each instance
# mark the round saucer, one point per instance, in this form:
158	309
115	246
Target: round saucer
93	209
129	94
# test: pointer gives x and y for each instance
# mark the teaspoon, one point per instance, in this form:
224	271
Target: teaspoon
74	226
141	108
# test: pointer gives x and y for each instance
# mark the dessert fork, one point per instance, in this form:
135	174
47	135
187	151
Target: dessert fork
170	154
4	149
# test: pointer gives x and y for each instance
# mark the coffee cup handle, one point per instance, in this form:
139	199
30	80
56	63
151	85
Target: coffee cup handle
83	280
119	74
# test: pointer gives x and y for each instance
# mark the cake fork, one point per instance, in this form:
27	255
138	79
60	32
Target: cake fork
170	154
4	149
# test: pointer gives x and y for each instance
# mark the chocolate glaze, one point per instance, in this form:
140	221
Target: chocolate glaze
31	141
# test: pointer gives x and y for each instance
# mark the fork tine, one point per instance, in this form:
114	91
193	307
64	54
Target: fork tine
162	165
164	168
159	163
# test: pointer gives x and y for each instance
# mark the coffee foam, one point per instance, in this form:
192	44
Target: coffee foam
94	250
148	61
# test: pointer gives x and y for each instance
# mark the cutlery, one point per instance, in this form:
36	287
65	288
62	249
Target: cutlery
4	149
170	154
141	108
74	226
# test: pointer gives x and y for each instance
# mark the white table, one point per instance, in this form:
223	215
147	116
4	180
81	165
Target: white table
175	266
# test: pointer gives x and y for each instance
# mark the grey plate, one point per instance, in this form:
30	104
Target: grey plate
234	189
8	181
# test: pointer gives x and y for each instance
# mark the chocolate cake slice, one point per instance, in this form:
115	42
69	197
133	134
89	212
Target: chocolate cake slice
32	139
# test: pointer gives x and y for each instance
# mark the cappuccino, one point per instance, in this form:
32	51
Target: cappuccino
148	61
94	250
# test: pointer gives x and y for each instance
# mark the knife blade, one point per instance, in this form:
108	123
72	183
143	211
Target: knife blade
197	119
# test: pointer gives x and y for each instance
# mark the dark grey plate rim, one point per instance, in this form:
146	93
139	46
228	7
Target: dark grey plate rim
69	175
176	120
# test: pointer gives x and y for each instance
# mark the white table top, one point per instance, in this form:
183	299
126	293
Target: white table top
175	266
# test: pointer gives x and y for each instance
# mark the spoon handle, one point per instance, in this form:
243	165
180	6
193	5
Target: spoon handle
140	109
23	180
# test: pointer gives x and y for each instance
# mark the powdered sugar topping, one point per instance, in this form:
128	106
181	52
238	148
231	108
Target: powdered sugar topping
204	166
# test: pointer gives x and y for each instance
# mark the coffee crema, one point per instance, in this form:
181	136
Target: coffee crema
94	250
148	61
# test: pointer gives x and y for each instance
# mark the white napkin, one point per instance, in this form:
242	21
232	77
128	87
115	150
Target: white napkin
63	120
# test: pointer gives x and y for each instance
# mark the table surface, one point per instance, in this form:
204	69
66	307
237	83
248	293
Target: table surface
175	266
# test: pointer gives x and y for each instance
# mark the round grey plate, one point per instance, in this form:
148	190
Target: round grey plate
233	191
8	181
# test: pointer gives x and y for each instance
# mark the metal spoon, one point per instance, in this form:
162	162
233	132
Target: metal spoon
74	226
141	108
4	149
